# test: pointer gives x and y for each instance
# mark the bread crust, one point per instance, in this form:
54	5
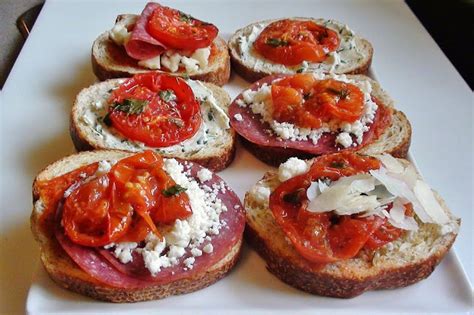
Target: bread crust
250	74
328	285
64	271
216	160
107	66
351	277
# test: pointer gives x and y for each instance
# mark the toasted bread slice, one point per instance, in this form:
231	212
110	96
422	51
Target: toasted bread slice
405	261
252	66
110	60
64	271
395	140
214	150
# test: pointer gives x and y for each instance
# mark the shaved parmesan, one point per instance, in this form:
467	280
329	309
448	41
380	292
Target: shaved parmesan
400	189
391	164
426	197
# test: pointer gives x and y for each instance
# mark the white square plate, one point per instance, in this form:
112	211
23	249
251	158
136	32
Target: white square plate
59	49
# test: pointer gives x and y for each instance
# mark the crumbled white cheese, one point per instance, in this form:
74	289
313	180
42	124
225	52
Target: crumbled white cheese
344	139
204	175
173	60
123	251
188	262
260	193
196	252
152	63
238	117
208	248
291	168
119	34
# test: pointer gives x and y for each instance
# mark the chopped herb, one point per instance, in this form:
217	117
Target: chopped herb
338	164
173	190
110	90
276	42
294	197
106	119
300	70
343	61
185	76
185	17
131	106
341	93
210	115
167	95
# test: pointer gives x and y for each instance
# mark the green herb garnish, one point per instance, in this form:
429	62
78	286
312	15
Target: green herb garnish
343	93
210	115
338	164
173	190
300	70
185	17
294	197
167	95
131	106
276	42
107	121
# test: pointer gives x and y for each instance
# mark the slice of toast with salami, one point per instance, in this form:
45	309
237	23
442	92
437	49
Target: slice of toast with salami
126	227
310	114
150	42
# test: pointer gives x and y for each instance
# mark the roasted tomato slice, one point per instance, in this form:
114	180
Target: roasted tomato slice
93	215
125	204
324	237
178	30
302	100
156	109
290	42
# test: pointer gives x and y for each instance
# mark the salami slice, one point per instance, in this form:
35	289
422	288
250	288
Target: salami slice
254	130
142	45
104	267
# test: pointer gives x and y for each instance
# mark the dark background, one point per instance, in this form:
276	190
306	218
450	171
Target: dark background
450	23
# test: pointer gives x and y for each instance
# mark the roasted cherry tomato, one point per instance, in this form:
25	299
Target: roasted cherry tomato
290	42
324	237
178	30
156	109
125	204
302	100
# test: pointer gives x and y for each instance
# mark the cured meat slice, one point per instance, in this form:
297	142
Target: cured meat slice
142	45
104	267
254	130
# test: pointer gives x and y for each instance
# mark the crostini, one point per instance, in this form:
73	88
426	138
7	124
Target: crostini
178	118
310	114
344	223
126	227
297	45
161	39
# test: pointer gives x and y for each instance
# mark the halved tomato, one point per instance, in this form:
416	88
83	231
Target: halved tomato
156	109
290	42
306	102
178	30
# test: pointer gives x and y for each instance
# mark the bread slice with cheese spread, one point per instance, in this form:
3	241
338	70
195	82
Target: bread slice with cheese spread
213	145
354	55
65	272
409	259
110	60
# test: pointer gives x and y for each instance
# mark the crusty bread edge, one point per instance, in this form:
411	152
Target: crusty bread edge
328	285
215	163
78	281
